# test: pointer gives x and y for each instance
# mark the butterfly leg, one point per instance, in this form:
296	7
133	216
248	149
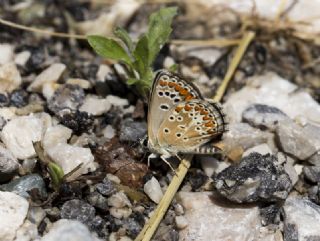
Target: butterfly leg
151	156
164	158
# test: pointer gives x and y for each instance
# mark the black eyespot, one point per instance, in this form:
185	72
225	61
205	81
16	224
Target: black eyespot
164	107
179	118
185	138
172	96
171	117
210	115
198	128
176	100
178	134
166	130
160	93
198	123
191	114
167	93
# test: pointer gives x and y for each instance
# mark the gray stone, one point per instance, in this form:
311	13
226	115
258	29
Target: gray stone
132	130
263	149
312	173
255	178
242	134
301	219
13	211
78	210
97	200
295	140
263	116
68	230
25	184
314	194
66	97
8	164
106	188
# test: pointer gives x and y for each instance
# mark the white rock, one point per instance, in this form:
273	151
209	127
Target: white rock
27	232
48	89
49	75
69	230
113	178
263	149
6	55
19	134
65	155
209	220
117	101
120	12
168	62
302	219
272	90
108	132
302	11
103	71
181	222
8	164
153	190
13	211
22	57
84	84
8	113
95	106
120	212
10	78
119	200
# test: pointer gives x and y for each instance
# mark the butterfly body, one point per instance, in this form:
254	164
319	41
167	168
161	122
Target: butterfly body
180	120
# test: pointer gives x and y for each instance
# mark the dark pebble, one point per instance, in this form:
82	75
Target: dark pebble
98	201
4	100
255	178
270	214
78	121
312	173
197	178
78	210
19	98
132	227
132	131
106	188
66	97
23	186
314	194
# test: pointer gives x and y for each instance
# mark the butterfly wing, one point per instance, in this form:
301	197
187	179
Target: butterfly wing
190	124
168	89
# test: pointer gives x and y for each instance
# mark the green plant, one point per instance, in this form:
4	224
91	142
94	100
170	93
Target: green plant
138	57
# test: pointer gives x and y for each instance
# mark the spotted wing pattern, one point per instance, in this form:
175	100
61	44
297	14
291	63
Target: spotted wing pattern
190	124
167	91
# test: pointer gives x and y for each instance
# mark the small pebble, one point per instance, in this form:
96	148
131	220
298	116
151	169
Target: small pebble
181	222
153	190
120	212
119	200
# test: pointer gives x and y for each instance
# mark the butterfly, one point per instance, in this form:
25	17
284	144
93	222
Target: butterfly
180	120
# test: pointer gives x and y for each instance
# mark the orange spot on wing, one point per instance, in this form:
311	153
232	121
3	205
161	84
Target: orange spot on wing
178	88
171	84
203	112
209	124
197	108
162	83
187	107
206	117
189	97
184	92
178	108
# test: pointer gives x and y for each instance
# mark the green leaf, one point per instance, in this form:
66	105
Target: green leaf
122	34
108	48
159	30
141	54
56	174
132	81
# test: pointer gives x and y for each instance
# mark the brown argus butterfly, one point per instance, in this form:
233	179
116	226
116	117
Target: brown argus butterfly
180	120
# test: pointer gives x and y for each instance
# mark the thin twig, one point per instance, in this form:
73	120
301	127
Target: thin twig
248	37
41	31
